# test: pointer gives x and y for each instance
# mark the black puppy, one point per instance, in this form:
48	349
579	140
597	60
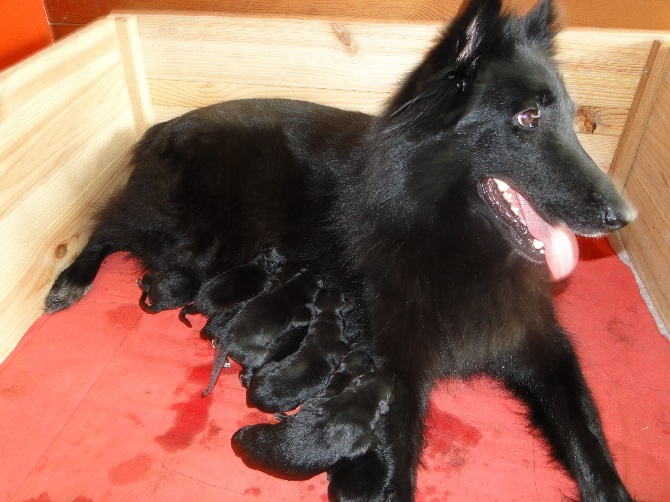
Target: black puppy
339	424
236	285
168	290
266	325
359	480
284	384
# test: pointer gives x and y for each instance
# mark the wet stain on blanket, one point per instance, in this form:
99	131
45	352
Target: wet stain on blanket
130	471
449	439
192	415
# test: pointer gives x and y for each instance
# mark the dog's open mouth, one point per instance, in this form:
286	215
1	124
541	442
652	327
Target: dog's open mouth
533	237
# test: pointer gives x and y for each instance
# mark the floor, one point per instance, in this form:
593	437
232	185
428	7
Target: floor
102	402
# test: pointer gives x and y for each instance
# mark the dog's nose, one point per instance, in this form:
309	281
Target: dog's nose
616	217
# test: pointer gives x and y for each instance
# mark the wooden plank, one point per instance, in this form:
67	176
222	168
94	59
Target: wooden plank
600	147
71	11
62	30
66	127
280	52
644	101
136	77
622	14
647	239
200	60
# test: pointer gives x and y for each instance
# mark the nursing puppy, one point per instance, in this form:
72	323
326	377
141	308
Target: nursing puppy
266	325
443	219
337	425
236	285
167	291
284	384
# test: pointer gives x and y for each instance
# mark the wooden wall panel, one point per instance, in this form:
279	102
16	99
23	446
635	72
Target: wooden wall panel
355	65
647	186
66	127
625	14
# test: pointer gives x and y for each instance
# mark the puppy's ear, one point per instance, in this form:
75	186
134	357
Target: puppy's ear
541	24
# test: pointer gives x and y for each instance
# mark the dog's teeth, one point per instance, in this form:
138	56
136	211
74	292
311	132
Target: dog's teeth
515	210
507	196
538	244
502	186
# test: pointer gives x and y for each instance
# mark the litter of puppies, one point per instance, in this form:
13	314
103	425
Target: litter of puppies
286	329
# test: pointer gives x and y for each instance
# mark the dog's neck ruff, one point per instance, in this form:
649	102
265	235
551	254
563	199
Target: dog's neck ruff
534	237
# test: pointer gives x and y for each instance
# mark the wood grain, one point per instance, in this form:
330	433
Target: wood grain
622	14
66	126
356	65
647	239
643	104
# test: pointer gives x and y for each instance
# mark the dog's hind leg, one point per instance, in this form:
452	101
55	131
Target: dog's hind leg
73	282
545	374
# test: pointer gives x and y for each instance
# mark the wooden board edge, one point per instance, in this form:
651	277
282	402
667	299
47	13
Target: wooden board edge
130	45
657	64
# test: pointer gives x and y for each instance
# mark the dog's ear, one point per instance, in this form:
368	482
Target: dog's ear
541	24
472	28
443	75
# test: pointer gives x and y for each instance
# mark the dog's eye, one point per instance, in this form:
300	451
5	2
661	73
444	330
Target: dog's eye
529	118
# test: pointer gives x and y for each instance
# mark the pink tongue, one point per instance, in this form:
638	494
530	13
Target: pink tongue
560	244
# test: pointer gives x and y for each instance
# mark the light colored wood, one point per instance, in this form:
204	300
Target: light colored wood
356	65
621	14
643	103
647	239
133	64
66	127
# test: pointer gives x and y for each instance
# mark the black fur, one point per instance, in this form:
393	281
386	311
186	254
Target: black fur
263	327
401	209
360	480
284	384
169	290
338	424
236	285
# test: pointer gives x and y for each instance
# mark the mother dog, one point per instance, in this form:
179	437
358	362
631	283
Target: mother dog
444	219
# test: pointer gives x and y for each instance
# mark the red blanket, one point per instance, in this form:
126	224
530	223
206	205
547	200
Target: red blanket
102	402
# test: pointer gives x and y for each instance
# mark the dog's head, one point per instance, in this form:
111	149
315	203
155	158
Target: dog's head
488	111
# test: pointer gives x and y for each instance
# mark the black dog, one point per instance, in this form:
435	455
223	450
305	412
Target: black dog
284	384
269	324
339	424
236	285
447	215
